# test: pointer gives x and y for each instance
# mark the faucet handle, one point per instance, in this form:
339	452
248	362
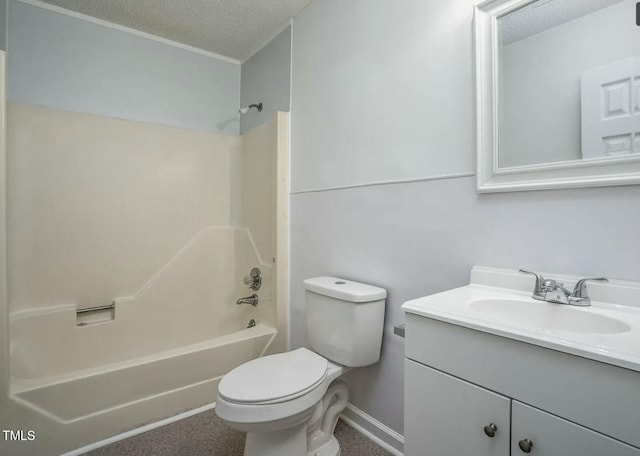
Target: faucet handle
538	291
580	290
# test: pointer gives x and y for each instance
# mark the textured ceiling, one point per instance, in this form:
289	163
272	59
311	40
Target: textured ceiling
232	28
545	14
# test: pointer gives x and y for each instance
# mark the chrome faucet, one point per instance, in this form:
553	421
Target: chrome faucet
551	291
253	300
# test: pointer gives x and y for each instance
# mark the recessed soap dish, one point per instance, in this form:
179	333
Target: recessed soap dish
97	314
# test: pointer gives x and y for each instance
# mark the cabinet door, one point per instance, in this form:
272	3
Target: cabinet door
553	436
445	416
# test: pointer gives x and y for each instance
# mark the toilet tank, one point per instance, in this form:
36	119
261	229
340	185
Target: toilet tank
345	320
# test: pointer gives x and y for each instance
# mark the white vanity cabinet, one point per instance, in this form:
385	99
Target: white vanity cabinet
459	381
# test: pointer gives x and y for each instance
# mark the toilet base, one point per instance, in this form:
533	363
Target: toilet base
288	442
292	442
331	448
321	441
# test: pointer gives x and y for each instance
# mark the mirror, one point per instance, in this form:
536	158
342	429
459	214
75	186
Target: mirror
558	94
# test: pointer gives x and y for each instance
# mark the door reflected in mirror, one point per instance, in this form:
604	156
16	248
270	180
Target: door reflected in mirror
569	82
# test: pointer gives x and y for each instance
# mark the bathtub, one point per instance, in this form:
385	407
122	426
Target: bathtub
84	394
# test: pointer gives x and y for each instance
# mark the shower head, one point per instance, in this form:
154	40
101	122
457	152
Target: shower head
246	109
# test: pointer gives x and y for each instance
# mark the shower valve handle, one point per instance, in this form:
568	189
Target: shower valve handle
254	279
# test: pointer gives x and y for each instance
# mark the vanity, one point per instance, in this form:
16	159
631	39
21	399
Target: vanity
491	371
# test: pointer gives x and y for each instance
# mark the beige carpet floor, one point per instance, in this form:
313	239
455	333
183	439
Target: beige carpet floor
205	435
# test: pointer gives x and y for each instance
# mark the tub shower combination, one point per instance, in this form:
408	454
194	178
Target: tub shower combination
184	220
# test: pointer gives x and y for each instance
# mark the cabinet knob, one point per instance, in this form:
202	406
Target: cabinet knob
525	445
490	430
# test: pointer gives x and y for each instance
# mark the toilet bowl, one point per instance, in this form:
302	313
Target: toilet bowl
289	403
283	395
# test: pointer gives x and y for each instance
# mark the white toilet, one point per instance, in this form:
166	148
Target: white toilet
289	403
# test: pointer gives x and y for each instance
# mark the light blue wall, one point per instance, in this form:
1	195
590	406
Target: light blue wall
74	65
266	78
420	238
382	92
3	25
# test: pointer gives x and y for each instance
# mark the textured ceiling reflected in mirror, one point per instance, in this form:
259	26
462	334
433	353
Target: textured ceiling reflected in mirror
545	14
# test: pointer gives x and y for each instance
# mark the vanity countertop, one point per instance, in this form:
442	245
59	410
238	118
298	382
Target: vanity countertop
499	302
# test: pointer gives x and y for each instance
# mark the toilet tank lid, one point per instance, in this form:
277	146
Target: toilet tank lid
347	290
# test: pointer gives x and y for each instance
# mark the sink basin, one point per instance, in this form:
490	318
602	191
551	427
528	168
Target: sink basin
548	316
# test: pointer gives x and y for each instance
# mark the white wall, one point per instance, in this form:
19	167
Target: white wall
542	82
266	78
383	92
76	65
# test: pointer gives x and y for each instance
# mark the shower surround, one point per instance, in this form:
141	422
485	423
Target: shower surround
163	222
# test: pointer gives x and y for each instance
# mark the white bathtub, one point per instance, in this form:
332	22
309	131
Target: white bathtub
78	395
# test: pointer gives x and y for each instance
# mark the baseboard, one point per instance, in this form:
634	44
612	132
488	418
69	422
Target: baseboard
140	430
374	430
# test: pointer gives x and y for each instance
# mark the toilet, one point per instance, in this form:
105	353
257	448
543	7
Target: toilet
288	403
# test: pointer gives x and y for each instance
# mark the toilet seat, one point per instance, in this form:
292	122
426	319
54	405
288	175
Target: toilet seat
275	378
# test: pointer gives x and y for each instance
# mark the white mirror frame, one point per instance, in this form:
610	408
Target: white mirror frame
592	172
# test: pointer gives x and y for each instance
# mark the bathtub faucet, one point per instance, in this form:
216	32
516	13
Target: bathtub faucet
253	300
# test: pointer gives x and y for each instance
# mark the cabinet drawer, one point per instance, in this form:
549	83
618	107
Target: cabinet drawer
445	416
553	436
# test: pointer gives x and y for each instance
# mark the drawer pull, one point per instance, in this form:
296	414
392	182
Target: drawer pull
525	445
490	430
